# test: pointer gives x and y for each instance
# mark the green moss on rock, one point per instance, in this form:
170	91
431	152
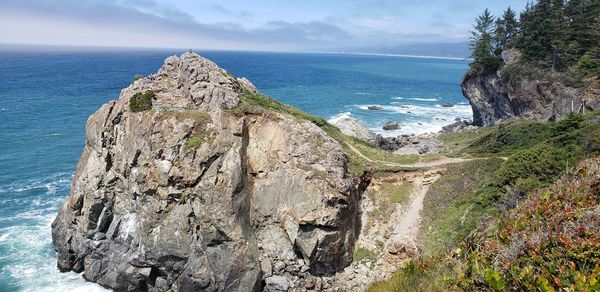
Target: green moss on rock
140	102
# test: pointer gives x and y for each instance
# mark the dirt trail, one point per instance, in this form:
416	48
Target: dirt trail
408	220
396	233
392	238
438	162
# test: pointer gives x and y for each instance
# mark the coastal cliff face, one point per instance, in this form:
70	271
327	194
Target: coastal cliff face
197	195
494	99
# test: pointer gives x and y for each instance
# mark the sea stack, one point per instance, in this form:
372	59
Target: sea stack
193	187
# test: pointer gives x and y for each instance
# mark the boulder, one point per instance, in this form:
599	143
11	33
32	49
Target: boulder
375	107
276	283
456	126
354	128
201	194
391	125
409	145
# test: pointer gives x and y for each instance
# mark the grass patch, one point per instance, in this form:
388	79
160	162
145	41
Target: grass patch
456	203
423	274
378	154
140	102
386	192
362	254
397	194
454	144
200	133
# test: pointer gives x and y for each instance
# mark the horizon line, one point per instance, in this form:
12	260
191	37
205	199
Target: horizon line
131	48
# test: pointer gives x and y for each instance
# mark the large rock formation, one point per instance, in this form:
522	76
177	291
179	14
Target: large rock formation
198	194
494	99
354	128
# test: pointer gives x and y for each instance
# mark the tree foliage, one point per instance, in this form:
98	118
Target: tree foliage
558	35
482	44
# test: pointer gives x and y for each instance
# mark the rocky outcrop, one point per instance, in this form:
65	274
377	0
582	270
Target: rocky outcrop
409	144
493	99
198	195
354	128
391	125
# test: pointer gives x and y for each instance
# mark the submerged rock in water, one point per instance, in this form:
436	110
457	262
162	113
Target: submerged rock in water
375	108
205	193
391	125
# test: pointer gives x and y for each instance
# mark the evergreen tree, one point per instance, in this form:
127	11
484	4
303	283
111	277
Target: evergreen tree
558	28
557	34
506	30
576	36
539	30
482	44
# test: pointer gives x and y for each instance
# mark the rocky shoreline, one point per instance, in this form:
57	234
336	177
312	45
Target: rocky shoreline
403	144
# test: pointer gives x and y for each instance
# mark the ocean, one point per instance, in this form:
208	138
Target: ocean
46	97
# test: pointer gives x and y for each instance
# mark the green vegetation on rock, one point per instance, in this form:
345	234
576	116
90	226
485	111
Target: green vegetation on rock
363	254
256	103
200	133
140	102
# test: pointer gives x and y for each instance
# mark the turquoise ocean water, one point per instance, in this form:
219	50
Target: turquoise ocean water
46	97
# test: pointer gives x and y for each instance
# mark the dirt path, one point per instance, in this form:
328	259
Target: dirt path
408	219
438	162
396	233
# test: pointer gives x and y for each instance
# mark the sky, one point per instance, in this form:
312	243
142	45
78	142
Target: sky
264	25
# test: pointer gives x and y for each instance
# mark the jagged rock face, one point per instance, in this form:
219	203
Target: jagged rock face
192	196
493	99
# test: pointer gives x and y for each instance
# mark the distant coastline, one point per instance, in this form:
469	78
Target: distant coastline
396	55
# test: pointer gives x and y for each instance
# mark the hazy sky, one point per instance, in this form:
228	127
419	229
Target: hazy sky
241	25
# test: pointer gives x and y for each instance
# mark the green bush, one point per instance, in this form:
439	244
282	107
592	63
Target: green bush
140	102
544	163
517	135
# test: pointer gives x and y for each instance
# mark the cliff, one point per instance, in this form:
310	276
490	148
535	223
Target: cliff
494	98
206	190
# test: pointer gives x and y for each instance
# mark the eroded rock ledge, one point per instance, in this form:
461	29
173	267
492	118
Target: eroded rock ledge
198	195
494	99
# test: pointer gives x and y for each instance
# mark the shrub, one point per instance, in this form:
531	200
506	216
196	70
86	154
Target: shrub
140	102
516	135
